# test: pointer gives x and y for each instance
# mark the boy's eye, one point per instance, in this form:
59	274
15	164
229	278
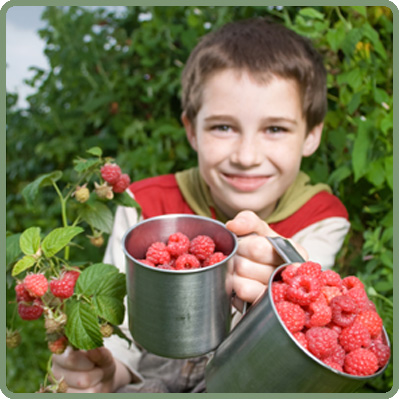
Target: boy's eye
276	129
221	128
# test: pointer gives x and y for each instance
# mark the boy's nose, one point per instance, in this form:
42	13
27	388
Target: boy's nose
248	152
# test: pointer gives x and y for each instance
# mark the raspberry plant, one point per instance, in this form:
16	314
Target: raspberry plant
74	299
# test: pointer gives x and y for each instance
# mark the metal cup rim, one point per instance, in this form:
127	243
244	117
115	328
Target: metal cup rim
174	216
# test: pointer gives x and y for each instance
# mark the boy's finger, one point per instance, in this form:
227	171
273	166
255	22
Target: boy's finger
252	270
100	356
74	360
247	222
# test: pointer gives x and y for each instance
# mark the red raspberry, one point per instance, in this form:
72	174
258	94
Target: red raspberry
157	253
337	356
354	337
288	273
279	289
330	292
187	261
311	269
22	294
352	282
332	364
178	244
72	275
214	258
320	314
344	310
202	247
36	284
301	338
303	289
110	173
321	341
30	312
334	327
360	297
372	321
361	362
62	288
331	278
121	184
59	345
382	351
292	315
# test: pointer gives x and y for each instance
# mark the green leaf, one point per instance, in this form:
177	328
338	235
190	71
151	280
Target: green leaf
30	241
107	287
336	36
91	278
124	199
98	215
23	264
31	190
81	165
13	250
96	151
312	13
361	10
58	239
360	150
376	173
109	298
389	171
82	328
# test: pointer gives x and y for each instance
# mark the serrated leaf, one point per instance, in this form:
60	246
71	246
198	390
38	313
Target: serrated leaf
23	264
91	278
31	190
98	215
58	239
82	328
107	288
13	250
96	151
30	241
109	299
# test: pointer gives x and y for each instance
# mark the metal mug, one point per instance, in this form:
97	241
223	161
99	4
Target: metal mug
261	355
178	313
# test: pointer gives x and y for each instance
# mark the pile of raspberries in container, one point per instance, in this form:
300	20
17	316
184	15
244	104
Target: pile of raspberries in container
332	318
181	253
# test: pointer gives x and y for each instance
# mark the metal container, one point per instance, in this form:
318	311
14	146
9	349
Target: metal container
261	355
178	313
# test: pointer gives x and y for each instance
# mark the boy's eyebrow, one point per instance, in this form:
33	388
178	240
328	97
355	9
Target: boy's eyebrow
266	120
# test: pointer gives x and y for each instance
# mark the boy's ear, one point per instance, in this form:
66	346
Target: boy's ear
190	131
312	140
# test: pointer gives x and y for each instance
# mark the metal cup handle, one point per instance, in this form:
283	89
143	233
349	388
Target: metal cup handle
287	252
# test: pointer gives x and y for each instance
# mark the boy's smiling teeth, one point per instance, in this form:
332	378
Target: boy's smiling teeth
243	182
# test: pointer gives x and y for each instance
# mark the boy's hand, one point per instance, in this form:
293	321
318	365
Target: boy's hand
94	371
255	259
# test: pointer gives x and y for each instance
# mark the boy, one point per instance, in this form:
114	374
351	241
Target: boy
254	99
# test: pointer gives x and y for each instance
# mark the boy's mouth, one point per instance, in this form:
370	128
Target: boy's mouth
245	183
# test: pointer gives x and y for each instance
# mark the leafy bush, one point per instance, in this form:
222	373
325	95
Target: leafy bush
114	82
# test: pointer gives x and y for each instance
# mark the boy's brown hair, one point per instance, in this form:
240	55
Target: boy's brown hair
263	48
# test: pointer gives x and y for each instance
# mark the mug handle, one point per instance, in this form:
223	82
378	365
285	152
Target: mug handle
287	252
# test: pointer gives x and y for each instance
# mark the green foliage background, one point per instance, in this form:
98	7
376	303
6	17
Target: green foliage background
114	82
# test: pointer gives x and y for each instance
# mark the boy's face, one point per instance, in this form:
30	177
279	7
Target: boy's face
250	139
